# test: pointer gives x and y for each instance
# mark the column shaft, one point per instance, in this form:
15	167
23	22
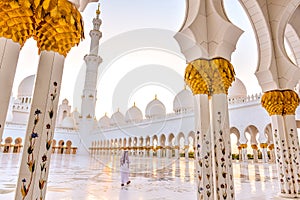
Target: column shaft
34	169
222	147
282	155
293	151
9	55
204	166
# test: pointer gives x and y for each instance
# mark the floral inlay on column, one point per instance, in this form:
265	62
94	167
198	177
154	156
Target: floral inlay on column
44	164
30	157
223	162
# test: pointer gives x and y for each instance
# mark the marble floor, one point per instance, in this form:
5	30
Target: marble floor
97	178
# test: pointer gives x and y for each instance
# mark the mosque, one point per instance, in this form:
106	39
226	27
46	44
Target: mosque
212	119
171	132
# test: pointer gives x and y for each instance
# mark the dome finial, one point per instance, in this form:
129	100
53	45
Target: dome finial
184	86
134	104
105	114
98	11
155	97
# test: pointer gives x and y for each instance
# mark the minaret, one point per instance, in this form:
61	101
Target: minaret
92	61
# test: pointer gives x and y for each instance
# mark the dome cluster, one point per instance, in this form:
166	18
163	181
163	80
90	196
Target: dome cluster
155	109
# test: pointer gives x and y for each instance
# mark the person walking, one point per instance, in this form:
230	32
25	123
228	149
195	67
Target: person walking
124	168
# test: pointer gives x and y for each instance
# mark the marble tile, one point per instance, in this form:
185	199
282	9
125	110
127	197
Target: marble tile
98	177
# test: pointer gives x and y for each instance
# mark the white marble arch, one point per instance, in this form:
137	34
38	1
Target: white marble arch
192	136
135	141
148	141
171	140
269	134
253	131
120	142
130	142
180	137
236	132
124	143
154	140
115	142
141	141
162	140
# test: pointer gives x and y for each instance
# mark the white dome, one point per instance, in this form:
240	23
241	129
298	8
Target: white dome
104	121
184	100
133	114
68	122
26	86
117	119
155	109
237	89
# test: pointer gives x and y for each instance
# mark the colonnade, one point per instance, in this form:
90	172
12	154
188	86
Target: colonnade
160	146
55	34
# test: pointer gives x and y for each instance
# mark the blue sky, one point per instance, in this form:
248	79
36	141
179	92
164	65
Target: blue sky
121	19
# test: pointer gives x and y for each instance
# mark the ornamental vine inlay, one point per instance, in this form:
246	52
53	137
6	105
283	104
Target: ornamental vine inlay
31	162
49	131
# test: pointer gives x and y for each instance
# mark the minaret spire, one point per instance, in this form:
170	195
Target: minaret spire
98	11
92	61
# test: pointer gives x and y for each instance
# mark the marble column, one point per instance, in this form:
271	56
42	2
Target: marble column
151	152
264	152
212	78
293	150
244	152
16	27
255	153
281	106
204	151
186	151
222	147
272	153
9	55
176	151
168	151
240	153
158	151
144	147
34	168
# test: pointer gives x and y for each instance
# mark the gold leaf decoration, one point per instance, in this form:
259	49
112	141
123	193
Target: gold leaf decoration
209	76
280	102
56	25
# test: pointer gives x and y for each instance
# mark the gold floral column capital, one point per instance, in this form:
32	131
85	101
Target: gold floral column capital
263	145
291	102
254	146
55	25
222	77
194	79
272	101
59	26
16	21
209	77
280	102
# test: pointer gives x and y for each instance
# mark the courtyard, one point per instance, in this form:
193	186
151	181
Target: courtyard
97	177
